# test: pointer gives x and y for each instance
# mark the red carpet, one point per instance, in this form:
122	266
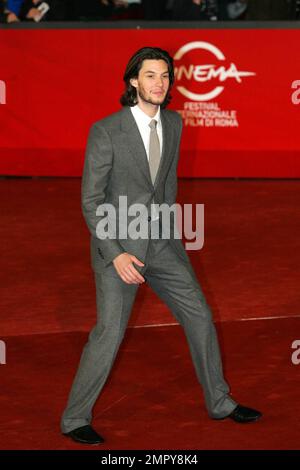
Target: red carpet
152	399
248	268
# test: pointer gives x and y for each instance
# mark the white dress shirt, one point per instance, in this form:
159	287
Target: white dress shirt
143	120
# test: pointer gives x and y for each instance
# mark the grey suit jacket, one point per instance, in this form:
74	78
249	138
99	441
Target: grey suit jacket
116	165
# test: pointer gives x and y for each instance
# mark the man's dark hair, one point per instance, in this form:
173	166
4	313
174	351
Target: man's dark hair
129	97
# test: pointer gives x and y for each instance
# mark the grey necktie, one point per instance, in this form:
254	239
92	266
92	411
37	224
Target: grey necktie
154	150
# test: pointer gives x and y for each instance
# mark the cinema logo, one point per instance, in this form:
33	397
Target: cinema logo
2	92
206	72
200	83
296	93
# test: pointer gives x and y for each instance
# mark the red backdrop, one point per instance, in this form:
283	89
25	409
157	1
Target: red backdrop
233	88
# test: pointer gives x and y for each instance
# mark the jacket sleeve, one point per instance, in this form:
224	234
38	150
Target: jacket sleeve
96	173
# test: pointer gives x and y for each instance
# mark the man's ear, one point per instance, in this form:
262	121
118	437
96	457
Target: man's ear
134	82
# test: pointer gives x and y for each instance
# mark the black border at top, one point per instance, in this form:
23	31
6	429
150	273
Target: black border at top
140	25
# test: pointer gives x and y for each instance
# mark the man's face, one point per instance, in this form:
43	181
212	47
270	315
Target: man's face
153	82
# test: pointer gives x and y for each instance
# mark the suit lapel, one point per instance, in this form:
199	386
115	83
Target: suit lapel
134	143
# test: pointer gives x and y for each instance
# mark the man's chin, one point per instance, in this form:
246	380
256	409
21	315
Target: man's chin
157	101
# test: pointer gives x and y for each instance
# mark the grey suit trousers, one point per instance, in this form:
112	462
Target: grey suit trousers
174	281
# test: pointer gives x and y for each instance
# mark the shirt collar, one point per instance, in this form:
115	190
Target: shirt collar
142	117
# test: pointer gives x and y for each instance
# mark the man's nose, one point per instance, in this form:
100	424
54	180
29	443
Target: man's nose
159	81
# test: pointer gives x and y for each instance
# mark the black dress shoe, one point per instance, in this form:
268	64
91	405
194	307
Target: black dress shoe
242	414
85	435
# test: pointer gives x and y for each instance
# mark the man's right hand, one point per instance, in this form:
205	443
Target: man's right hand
126	270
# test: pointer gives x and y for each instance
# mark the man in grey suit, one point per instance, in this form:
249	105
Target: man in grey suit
133	154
